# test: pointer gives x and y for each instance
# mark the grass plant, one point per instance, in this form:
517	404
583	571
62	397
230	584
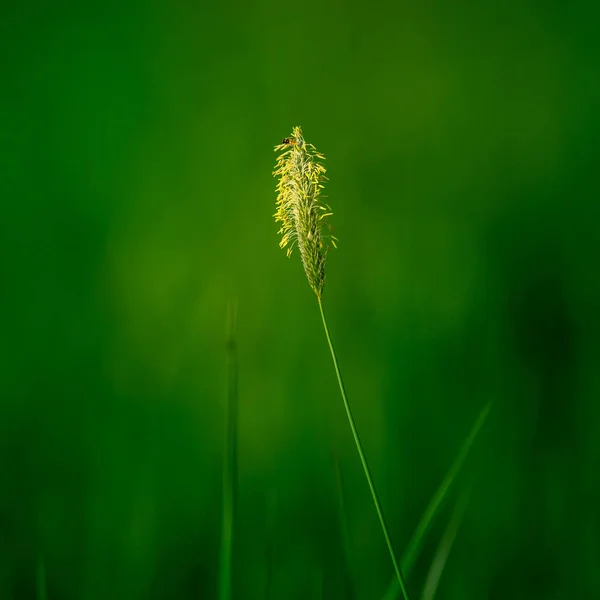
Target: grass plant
302	215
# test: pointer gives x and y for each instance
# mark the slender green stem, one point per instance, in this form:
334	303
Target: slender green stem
363	459
230	466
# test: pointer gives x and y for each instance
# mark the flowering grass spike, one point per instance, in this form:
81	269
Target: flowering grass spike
300	210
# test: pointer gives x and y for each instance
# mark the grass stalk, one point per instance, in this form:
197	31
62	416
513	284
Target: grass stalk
363	459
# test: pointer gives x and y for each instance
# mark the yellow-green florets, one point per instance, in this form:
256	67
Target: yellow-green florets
299	206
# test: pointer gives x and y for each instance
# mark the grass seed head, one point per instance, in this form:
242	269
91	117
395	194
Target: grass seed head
300	210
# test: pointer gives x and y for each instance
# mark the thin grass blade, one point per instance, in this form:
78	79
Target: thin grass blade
349	589
271	519
40	579
415	543
443	550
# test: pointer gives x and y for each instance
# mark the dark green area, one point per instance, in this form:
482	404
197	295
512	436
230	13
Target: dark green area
137	200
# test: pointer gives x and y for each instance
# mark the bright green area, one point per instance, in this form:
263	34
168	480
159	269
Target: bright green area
136	150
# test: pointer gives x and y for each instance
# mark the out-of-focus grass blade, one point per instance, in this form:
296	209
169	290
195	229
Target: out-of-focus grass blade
271	522
416	541
443	550
40	579
344	530
318	580
230	458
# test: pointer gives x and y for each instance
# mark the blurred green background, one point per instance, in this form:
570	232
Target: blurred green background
137	200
